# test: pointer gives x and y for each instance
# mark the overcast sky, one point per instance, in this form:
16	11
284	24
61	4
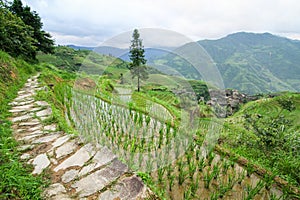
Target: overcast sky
91	22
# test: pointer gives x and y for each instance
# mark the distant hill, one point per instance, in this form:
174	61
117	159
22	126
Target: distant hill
250	62
255	63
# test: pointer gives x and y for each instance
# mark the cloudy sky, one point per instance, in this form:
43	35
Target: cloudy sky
91	22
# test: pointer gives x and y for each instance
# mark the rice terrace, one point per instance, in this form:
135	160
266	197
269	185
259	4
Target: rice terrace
92	107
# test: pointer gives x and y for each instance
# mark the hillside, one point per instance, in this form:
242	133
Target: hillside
250	62
256	63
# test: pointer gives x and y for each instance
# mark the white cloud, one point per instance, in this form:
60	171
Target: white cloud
82	21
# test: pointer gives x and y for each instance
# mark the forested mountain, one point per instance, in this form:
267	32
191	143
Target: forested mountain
256	63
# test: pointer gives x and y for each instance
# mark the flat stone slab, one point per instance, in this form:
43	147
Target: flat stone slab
40	163
28	137
30	123
46	139
21	108
65	149
78	159
23	96
22	118
69	175
35	128
54	190
15	103
102	157
60	141
42	103
130	188
101	178
44	113
51	127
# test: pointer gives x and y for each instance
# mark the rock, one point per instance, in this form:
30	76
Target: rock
69	175
130	188
51	127
102	157
54	190
65	149
30	123
98	180
15	103
22	118
77	159
42	103
40	163
25	156
46	139
44	113
60	141
25	147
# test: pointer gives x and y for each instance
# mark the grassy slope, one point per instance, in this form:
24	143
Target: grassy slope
243	141
16	182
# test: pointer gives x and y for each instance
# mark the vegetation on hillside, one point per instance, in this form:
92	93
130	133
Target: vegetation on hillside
252	63
21	32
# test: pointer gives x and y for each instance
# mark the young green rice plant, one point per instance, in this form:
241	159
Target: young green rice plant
225	167
192	169
160	174
211	156
194	186
250	169
187	193
189	156
149	163
216	171
208	176
269	179
241	177
201	164
214	196
181	176
148	119
198	154
171	182
231	180
161	137
252	192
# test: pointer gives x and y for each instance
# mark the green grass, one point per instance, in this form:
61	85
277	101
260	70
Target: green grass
16	181
283	159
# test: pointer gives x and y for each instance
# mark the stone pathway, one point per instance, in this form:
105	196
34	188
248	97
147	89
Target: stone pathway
77	170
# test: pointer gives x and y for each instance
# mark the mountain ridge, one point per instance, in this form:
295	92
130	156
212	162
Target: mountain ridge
250	62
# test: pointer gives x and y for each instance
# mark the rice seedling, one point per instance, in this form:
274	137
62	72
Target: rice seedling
208	176
253	191
192	169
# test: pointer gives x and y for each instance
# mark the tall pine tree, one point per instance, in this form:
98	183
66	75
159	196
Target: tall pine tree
136	54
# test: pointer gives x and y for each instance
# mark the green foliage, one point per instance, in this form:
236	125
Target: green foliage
200	89
16	38
86	61
43	41
137	66
267	132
